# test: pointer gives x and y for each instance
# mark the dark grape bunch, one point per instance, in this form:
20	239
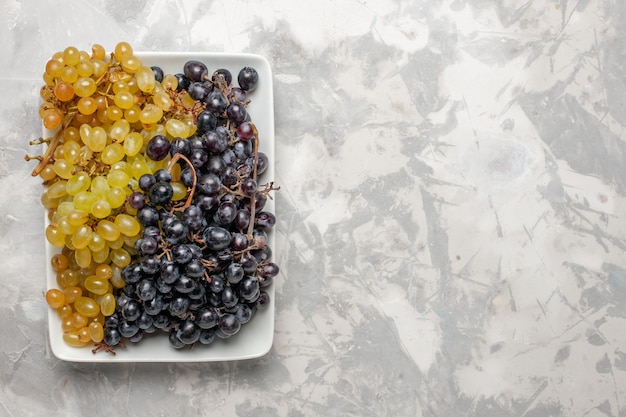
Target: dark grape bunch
203	263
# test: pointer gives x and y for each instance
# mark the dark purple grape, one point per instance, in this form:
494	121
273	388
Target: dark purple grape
265	219
195	268
207	202
158	73
132	274
245	131
179	305
207	336
182	146
259	238
188	332
150	265
198	157
175	342
193	218
248	186
237	94
229	297
131	310
236	112
215	165
146	245
161	321
239	242
175	231
229	325
199	90
195	70
229	157
198	292
158	148
248	287
269	270
111	321
186	177
184	284
136	200
206	121
243	149
214	142
243	313
241	220
216	102
152	231
128	328
248	79
216	284
169	271
262	163
216	238
249	264
162	175
226	213
207	317
181	254
112	336
263	301
146	181
234	273
154	306
208	184
145	321
161	193
230	176
222	75
183	82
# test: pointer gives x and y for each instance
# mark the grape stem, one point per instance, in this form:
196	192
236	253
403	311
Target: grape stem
253	197
51	147
170	167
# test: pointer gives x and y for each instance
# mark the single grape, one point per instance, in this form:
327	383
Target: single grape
248	79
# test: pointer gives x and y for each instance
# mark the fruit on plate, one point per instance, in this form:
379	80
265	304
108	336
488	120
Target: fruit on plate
155	204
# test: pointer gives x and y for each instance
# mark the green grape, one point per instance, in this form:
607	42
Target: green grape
107	304
84	200
139	167
65	208
177	128
124	99
96	285
87	306
72	293
71	150
84	87
108	230
117	243
133	143
63	168
82	237
65	226
150	114
112	153
96	140
78	183
101	256
67	278
97	243
83	257
77	217
58	189
117	178
96	331
145	79
49	202
54	236
116	197
100	186
119	130
101	208
120	257
128	225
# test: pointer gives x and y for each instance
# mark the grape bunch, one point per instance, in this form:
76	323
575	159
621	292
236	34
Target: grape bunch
154	201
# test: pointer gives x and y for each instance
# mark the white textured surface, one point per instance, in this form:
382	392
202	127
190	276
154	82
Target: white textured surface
451	215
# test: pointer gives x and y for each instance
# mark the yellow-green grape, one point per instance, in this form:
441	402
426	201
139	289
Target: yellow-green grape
65	311
63	168
119	86
120	257
55	298
170	82
116	277
72	293
130	241
83	335
122	49
96	285
69	74
119	130
139	167
116	197
114	113
67	278
83	257
108	230
77	217
84	87
180	191
68	326
99	186
112	153
78	319
99	67
84	200
101	208
132	114
82	237
96	331
71	56
97	243
177	128
73	339
47	173
117	243
65	208
101	256
49	202
78	183
54	68
65	227
128	225
150	114
87	105
57	190
117	178
71	150
124	99
145	79
104	271
107	304
97	139
71	133
85	68
68	242
191	124
162	100
87	306
133	143
130	64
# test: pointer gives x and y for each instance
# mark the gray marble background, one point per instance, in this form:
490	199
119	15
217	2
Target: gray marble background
452	215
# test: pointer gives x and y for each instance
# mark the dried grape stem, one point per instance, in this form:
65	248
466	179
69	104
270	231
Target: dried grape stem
170	167
49	152
253	197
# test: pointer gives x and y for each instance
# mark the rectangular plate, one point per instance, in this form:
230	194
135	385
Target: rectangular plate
255	337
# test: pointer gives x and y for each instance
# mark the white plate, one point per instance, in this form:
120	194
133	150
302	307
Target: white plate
255	337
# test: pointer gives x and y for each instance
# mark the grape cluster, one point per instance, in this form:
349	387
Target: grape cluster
151	185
